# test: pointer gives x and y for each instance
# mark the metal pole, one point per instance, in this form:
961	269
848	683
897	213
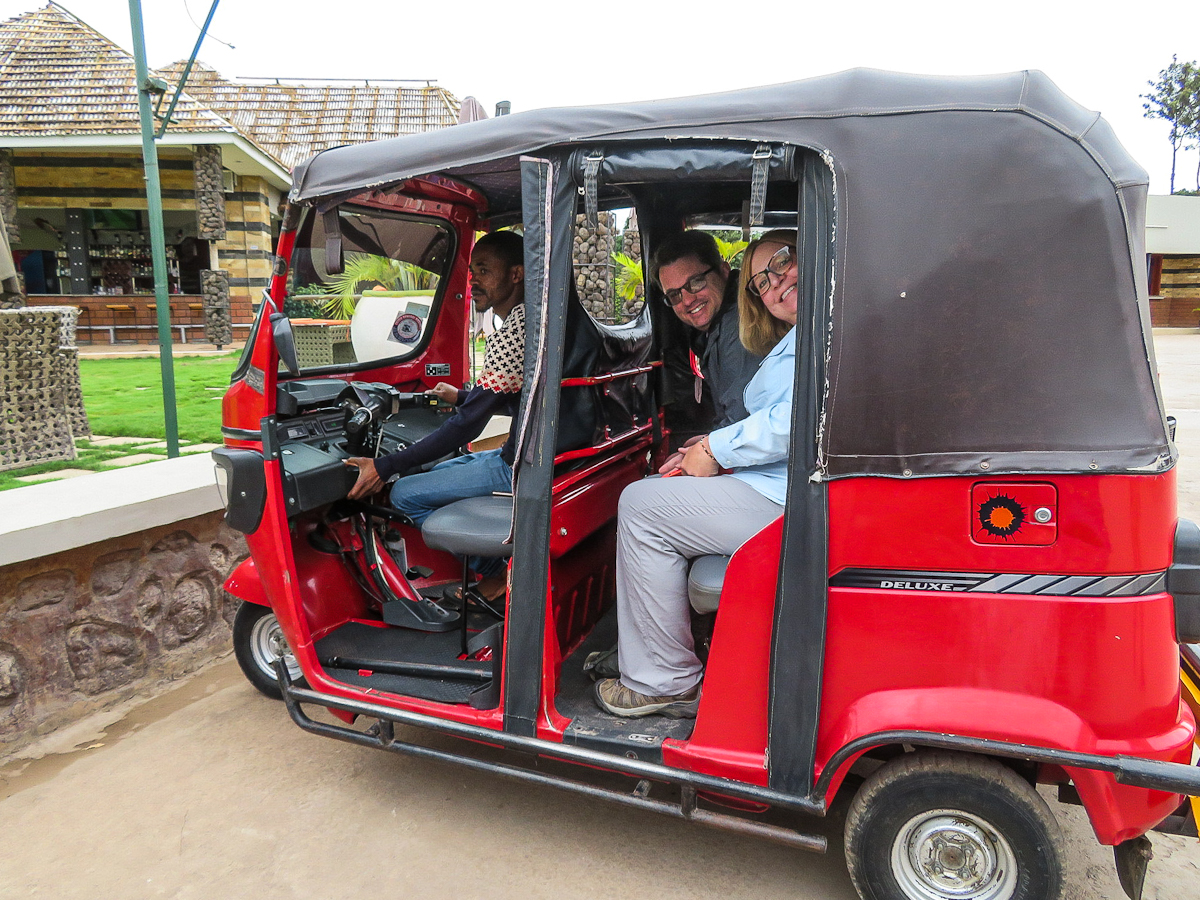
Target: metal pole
158	250
187	70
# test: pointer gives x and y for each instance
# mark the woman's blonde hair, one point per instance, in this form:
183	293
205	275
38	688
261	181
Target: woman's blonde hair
758	329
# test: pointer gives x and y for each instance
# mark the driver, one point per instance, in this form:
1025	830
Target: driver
498	286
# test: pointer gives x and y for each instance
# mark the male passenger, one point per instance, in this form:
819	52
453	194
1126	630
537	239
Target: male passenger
497	286
702	291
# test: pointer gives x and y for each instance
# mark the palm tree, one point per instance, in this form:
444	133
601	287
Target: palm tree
369	269
630	275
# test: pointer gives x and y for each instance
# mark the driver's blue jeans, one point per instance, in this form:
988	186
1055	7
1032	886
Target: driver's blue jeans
473	475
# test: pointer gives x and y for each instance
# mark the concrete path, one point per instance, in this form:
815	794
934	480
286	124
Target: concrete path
134	351
209	791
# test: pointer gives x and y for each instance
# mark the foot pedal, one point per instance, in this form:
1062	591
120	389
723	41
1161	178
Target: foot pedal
419	615
323	544
417	572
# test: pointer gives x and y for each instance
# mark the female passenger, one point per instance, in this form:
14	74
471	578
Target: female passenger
662	523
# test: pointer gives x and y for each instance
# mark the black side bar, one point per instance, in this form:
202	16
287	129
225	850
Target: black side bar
383	737
294	696
419	670
1177	778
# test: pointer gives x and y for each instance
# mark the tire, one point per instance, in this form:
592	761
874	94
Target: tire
257	642
944	826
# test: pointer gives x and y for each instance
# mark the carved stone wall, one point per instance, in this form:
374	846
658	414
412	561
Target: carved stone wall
89	627
218	320
34	423
210	192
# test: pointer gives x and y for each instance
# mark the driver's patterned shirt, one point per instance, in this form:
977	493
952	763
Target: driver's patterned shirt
504	359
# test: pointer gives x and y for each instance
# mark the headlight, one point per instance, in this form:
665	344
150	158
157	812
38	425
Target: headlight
242	482
222	476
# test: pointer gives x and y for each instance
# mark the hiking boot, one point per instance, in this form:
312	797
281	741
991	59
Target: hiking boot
613	697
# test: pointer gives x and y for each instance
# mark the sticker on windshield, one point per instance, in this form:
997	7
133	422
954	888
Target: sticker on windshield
406	329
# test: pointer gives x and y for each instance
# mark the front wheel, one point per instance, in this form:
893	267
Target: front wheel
942	826
257	642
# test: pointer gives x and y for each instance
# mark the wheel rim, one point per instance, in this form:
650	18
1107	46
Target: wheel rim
268	644
947	853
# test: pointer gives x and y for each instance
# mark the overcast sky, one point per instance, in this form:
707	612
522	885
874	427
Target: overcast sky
562	53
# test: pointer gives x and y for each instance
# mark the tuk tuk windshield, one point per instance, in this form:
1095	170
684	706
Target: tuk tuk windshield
365	289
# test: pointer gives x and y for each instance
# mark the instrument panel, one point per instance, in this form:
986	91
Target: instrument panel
312	450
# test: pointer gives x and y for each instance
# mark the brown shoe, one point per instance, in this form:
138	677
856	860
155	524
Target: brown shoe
613	697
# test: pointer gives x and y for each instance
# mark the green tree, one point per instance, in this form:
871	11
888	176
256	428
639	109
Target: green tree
368	269
1175	97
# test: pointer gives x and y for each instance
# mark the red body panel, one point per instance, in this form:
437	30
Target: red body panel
1090	674
312	593
245	584
243	407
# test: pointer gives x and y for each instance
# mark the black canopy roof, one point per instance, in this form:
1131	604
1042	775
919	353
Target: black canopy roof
761	113
988	305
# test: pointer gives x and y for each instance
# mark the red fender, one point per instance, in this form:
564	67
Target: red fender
245	584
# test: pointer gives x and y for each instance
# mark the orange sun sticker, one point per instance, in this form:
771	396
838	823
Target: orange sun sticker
1001	516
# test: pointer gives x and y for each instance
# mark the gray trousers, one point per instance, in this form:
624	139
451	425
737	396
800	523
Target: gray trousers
662	523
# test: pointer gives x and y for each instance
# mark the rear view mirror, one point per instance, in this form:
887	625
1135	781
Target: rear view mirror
285	342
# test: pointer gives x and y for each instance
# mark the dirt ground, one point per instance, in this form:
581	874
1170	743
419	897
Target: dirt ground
209	791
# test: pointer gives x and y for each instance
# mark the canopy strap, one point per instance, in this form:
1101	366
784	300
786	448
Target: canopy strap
591	191
761	163
333	241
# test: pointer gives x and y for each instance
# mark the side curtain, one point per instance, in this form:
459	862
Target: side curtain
548	206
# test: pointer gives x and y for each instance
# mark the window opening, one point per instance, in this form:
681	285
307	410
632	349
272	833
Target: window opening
382	302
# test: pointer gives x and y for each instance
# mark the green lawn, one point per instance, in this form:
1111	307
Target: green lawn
123	397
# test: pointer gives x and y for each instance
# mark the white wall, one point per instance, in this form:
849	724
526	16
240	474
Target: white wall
1172	224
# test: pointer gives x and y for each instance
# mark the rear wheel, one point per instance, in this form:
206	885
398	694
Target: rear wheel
257	642
941	826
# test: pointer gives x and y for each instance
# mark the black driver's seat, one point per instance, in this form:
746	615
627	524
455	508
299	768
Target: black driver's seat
476	526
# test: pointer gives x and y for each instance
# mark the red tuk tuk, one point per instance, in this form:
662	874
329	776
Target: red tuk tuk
979	583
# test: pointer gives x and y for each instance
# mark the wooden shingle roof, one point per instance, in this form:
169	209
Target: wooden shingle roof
293	120
60	77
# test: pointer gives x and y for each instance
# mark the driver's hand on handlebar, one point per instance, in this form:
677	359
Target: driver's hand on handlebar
368	482
446	393
675	460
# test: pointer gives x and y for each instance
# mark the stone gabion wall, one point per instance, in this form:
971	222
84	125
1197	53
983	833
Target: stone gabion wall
210	193
8	196
34	423
593	270
68	370
88	627
218	320
68	376
11	301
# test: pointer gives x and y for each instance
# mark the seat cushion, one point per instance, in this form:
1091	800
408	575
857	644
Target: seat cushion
705	580
477	526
